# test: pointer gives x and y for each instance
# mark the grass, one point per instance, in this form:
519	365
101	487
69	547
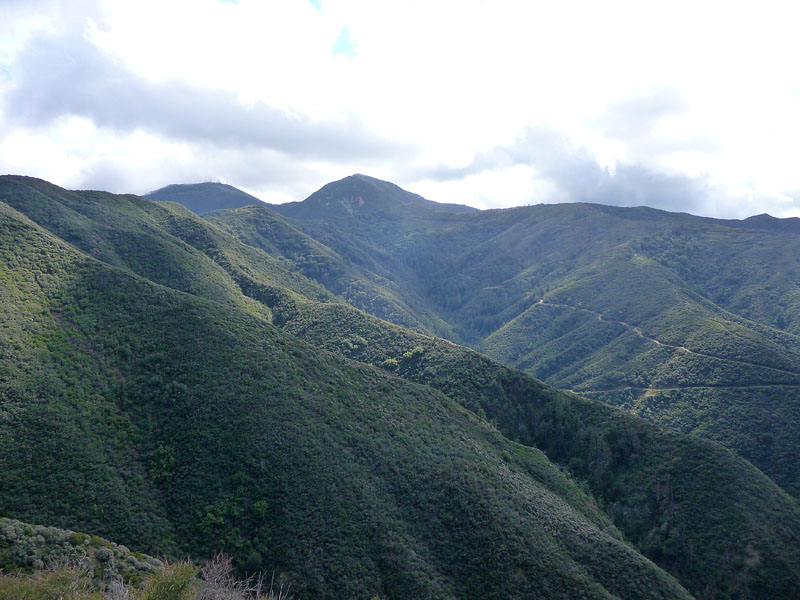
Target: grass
180	580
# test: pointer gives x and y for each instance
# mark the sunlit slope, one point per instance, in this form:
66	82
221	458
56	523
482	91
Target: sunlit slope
665	352
160	241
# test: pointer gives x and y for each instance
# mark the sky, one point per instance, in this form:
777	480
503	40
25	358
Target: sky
683	106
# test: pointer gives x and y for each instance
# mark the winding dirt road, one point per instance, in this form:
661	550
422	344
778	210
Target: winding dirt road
638	331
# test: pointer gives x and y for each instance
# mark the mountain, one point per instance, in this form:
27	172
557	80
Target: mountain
193	393
364	196
202	198
352	278
187	424
690	322
770	223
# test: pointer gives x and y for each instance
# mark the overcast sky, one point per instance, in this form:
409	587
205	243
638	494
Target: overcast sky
688	106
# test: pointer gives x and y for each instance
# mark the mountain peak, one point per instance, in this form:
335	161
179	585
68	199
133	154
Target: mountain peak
362	194
202	198
770	223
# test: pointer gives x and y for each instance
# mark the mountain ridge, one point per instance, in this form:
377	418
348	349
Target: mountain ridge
202	198
364	195
563	291
350	480
339	385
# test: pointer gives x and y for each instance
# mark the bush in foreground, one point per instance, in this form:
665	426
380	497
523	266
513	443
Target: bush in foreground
175	581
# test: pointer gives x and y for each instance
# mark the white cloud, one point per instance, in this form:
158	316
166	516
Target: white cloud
510	185
699	97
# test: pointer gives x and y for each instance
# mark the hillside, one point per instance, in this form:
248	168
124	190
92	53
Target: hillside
362	195
202	198
26	547
415	495
353	278
48	563
187	425
689	505
689	322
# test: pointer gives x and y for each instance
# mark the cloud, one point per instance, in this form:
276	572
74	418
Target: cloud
508	103
646	125
70	76
260	172
636	116
576	175
576	172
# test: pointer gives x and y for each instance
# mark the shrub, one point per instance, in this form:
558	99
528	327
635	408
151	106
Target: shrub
63	583
175	582
77	539
390	364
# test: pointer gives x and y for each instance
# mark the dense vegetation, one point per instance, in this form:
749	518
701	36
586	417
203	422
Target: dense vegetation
236	404
690	322
28	548
361	288
689	505
46	563
186	425
202	198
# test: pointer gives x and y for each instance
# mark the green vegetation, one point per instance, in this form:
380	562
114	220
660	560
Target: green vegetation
692	507
213	398
185	424
60	583
267	230
674	317
27	548
174	581
202	198
73	566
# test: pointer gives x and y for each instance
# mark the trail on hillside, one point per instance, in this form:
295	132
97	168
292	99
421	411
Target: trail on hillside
650	391
638	331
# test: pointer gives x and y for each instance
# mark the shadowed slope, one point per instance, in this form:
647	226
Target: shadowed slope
186	424
687	321
693	507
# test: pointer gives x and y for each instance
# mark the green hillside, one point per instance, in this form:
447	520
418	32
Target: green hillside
365	196
202	198
689	322
691	506
183	425
353	279
163	398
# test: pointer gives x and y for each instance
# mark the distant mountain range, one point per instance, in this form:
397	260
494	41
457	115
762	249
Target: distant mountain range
202	198
183	385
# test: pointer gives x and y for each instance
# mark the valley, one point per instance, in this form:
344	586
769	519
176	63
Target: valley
184	385
669	316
